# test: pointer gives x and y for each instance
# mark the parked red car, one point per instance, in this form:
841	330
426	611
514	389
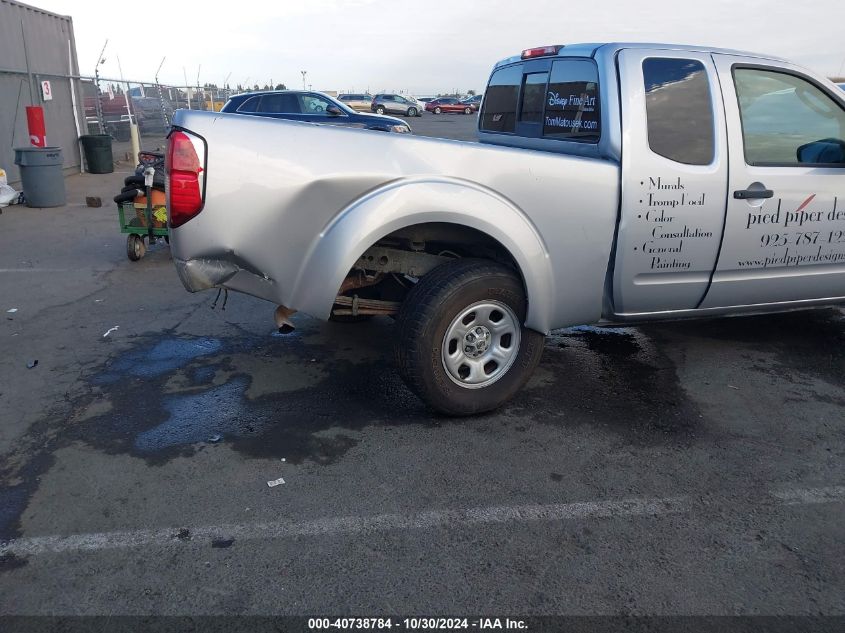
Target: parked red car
447	104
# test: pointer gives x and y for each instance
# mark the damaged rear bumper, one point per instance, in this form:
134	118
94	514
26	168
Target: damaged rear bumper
204	273
226	271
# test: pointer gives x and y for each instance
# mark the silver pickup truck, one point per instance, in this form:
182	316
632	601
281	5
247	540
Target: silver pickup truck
612	183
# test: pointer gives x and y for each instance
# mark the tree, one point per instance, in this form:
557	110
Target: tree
281	87
471	93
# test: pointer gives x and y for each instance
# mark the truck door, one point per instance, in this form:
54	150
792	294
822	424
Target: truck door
674	180
785	230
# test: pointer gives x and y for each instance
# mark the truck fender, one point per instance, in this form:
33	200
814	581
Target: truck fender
409	201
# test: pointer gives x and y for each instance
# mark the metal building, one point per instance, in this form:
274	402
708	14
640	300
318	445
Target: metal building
38	46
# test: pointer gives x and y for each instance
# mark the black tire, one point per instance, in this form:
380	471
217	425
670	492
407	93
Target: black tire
437	110
429	310
135	247
379	109
412	112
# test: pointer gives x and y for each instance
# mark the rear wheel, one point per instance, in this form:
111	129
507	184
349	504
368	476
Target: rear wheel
461	344
379	109
437	110
411	112
135	247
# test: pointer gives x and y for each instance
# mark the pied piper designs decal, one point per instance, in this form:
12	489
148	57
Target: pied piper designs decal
813	232
665	201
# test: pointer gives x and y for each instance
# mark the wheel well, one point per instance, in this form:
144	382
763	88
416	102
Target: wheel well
437	238
386	270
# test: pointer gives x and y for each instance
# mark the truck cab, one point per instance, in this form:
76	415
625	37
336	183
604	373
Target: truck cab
731	168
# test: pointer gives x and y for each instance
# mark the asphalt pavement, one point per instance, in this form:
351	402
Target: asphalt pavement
687	468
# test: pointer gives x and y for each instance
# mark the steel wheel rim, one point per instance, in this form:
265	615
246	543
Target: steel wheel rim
481	344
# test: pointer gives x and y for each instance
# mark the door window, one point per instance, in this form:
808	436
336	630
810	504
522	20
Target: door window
312	104
279	104
679	109
786	120
500	103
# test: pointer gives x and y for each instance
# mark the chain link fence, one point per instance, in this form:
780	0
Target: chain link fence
111	107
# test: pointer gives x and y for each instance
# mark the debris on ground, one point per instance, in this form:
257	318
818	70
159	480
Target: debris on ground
282	317
94	201
222	542
275	482
283	459
733	387
183	534
12	310
110	330
8	195
31	363
215	438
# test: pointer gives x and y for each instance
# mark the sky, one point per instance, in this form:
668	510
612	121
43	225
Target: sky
419	47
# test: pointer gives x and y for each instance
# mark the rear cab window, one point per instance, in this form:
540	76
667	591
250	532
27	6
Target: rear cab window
559	102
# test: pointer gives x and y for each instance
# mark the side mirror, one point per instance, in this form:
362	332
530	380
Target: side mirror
828	150
333	110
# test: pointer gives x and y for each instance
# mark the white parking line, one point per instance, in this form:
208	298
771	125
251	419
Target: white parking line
346	525
35	270
29	546
806	496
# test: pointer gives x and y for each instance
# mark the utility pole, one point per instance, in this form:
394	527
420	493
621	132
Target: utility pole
164	116
304	72
187	90
199	107
99	106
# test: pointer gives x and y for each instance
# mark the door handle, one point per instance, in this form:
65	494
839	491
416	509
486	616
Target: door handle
753	194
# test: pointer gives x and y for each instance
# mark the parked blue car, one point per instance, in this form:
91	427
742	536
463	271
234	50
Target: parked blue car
312	107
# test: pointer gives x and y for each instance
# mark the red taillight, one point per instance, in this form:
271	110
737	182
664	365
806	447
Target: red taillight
541	51
183	170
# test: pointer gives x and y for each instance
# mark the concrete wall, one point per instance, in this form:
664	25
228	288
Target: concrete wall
46	36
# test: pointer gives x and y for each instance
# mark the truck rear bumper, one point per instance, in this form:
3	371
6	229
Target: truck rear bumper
204	273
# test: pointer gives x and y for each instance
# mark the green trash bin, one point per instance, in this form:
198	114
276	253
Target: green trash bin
98	155
41	175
